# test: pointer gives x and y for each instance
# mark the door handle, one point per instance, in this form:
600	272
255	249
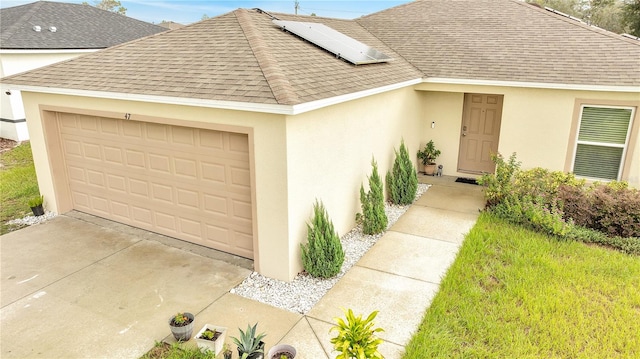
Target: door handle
464	134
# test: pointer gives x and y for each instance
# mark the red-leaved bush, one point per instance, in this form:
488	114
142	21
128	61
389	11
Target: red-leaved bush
611	208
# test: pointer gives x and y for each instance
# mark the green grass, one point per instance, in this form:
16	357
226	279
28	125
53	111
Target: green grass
17	185
514	293
176	351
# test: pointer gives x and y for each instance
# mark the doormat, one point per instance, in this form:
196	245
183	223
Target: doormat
466	180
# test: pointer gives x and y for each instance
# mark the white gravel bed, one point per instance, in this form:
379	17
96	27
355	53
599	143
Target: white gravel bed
31	220
301	294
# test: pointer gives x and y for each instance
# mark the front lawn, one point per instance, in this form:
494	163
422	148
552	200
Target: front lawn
17	185
515	293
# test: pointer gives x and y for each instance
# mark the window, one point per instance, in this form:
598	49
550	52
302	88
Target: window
602	140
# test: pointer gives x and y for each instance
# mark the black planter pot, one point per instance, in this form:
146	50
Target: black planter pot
254	355
37	210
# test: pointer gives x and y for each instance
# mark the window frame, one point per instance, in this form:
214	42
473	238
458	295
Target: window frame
627	149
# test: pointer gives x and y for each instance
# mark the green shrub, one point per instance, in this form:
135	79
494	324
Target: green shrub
540	182
374	219
499	185
36	201
629	245
534	213
403	179
322	256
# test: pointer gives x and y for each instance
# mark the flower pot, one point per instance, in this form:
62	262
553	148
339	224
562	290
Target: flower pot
280	349
182	333
37	210
214	345
254	355
429	170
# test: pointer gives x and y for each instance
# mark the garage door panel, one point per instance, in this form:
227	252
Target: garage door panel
132	130
120	211
117	183
76	174
72	148
142	216
166	221
188	183
100	205
135	158
212	140
113	155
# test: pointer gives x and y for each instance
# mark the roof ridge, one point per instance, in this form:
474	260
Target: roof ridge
280	86
577	22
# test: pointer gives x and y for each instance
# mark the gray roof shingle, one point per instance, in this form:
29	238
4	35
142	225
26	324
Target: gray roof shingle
77	27
505	40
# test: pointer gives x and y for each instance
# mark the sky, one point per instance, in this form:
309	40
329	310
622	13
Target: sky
189	11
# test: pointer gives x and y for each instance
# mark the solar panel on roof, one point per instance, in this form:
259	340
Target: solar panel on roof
335	42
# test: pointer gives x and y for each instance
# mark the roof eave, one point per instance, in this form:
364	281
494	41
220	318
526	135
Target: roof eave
48	51
537	85
226	105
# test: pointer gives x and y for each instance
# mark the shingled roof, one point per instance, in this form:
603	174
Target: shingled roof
505	40
242	57
76	27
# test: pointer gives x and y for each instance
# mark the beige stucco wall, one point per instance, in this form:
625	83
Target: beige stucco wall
536	123
269	165
329	153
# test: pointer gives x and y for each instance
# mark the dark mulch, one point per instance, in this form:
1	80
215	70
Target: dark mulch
7	144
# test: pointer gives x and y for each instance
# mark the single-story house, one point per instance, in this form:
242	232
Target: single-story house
44	32
225	132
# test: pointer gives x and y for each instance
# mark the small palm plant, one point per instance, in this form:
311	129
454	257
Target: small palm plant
356	337
249	343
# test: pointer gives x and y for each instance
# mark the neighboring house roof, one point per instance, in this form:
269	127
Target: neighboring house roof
76	27
243	57
506	40
170	25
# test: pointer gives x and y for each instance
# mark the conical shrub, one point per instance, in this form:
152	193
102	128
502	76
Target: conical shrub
403	179
323	255
374	219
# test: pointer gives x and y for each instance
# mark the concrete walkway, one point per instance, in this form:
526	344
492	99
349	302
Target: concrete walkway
108	294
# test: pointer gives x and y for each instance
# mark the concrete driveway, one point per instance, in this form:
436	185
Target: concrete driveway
82	287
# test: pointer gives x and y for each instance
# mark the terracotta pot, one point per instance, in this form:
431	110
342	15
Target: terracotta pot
430	169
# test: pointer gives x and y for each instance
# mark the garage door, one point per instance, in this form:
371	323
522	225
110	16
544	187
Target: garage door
188	183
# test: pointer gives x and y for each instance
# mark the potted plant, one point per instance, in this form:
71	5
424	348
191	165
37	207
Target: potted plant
428	157
36	205
282	351
226	352
181	326
250	345
211	337
356	337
